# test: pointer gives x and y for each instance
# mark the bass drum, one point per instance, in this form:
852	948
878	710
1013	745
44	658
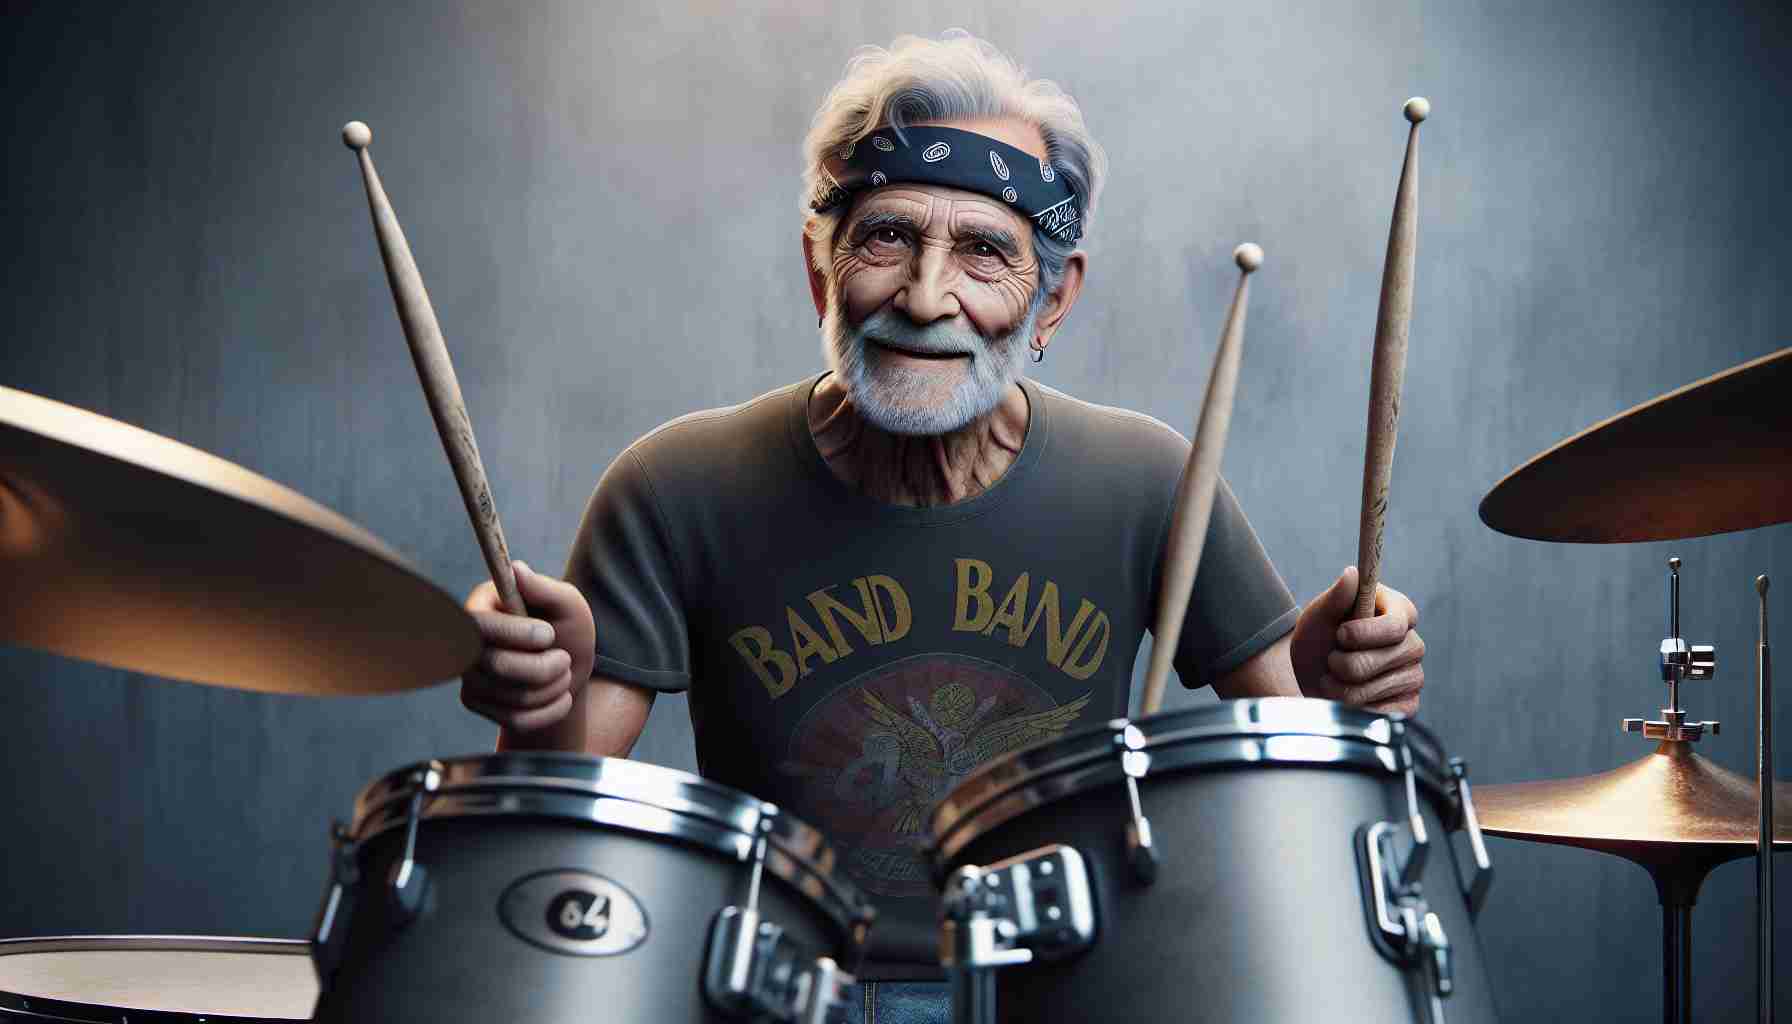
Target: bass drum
1278	859
553	887
156	979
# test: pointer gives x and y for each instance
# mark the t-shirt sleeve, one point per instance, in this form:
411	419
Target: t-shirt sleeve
623	562
1239	604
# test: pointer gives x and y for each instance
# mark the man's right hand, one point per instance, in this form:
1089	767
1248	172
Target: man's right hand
527	672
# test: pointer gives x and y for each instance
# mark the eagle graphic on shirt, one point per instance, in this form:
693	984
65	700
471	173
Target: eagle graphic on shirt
942	742
871	760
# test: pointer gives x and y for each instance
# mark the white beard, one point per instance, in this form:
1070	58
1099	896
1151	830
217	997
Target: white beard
904	400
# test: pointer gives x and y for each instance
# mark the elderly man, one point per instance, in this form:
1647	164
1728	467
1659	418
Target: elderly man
873	579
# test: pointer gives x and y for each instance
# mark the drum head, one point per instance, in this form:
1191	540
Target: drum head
168	978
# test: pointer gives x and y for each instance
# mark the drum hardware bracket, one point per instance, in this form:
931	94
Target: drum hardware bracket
1680	663
409	881
1033	907
1476	892
1141	854
1405	928
753	971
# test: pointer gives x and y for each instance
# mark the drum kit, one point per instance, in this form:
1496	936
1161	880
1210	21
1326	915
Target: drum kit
1245	844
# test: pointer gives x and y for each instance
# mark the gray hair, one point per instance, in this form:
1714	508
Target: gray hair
955	77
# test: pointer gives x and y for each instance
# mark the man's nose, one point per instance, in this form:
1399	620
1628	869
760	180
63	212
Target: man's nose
927	296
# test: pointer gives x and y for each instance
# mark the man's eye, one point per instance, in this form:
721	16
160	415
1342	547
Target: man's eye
984	249
888	236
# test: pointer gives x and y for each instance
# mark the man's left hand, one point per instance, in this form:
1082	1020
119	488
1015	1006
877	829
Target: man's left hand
1374	663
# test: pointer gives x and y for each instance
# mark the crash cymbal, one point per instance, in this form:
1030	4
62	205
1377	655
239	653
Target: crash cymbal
126	548
1711	457
1668	806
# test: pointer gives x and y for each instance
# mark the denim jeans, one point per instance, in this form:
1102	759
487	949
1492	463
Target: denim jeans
899	1002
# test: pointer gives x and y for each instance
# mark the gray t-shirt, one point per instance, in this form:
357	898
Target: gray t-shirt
852	661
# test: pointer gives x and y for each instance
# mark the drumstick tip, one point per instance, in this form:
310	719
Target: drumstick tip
1761	583
356	135
1248	256
1417	109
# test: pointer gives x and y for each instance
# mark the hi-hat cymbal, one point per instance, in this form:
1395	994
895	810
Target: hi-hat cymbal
1670	806
123	547
1711	457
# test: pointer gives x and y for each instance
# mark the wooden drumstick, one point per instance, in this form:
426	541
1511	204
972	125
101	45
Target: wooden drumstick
436	372
1194	498
1389	369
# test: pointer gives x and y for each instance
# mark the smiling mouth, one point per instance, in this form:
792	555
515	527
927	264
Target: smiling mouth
937	357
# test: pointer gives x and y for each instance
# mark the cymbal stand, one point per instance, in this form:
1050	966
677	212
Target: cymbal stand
1764	851
1677	883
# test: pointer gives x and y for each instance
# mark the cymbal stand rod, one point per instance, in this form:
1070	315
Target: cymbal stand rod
1673	679
1676	962
1764	797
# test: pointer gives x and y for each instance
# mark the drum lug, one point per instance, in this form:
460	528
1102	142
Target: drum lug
330	933
753	971
1401	923
1413	868
1476	891
1141	855
1037	906
408	881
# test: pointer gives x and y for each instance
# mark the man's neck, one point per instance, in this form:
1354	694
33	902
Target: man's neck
901	469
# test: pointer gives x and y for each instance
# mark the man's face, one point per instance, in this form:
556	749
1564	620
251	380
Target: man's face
931	304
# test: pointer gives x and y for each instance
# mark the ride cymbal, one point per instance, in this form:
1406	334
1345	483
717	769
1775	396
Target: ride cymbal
126	548
1671	805
1711	457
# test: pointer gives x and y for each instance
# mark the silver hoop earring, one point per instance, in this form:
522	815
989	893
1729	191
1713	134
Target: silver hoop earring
1038	352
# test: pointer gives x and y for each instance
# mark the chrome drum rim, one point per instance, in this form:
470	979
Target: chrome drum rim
630	796
1261	733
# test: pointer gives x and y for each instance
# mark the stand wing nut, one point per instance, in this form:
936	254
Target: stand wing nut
1702	662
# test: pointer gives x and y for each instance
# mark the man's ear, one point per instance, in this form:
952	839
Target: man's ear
818	285
1057	305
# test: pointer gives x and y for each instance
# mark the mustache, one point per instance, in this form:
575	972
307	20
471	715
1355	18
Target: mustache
894	330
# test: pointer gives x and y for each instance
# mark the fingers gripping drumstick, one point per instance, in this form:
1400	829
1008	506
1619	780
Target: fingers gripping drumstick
436	372
1194	498
1389	369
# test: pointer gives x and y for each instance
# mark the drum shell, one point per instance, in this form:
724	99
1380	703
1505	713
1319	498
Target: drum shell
459	960
1257	912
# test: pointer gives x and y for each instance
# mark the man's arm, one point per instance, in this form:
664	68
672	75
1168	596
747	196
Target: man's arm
1268	674
615	714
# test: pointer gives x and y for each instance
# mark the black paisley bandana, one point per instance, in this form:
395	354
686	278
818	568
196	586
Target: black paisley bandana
934	155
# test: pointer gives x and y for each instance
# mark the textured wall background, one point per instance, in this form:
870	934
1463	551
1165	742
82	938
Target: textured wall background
603	199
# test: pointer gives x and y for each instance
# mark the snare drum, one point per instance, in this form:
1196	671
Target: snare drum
556	887
1260	860
145	979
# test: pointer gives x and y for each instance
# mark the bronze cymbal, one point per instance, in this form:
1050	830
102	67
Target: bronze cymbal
126	548
1670	806
1711	457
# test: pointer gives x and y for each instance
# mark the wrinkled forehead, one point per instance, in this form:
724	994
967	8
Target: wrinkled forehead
938	210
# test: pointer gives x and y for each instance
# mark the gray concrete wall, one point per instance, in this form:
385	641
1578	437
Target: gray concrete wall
603	199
